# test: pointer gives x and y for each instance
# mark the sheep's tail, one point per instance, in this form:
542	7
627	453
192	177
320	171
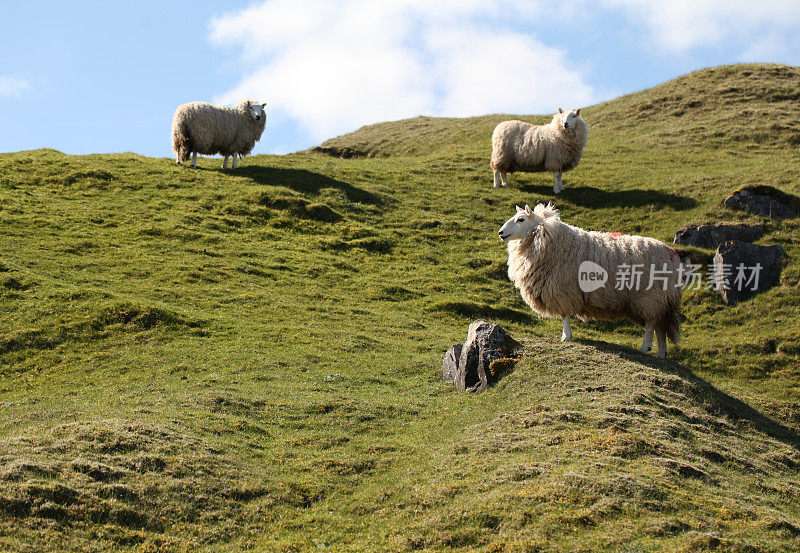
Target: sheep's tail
671	320
181	142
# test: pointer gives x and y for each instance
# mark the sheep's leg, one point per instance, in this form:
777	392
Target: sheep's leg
504	178
225	163
194	160
234	161
648	338
496	174
566	334
558	186
661	336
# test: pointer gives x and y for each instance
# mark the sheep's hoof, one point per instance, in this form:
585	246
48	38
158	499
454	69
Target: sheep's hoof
565	338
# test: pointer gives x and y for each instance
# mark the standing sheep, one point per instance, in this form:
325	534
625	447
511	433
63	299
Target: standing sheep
203	128
563	270
555	147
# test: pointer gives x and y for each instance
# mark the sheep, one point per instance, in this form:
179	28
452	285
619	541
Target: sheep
563	270
203	128
555	147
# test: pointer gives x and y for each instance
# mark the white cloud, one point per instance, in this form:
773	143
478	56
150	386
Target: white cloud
506	72
13	87
336	66
743	27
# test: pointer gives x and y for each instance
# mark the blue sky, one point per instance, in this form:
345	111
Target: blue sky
95	77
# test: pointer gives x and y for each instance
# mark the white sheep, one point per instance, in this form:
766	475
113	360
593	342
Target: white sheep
555	147
563	270
203	128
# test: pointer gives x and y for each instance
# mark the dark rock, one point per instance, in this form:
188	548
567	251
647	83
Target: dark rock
450	363
759	204
468	366
711	236
742	270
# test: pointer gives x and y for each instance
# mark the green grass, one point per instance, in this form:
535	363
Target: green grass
249	360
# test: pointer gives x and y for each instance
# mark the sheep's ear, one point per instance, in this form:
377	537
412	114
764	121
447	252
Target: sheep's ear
264	105
519	208
560	110
528	209
578	111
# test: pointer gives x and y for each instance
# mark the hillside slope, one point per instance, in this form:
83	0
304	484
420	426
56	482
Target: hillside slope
581	449
656	160
204	360
747	104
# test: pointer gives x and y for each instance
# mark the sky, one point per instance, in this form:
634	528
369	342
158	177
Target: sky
96	77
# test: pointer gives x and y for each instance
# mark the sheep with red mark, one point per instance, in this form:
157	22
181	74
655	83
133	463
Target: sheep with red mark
551	263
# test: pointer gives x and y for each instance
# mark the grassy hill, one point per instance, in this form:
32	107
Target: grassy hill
746	105
204	360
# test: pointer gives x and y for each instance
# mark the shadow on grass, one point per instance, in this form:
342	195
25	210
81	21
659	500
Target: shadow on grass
588	196
301	180
720	402
473	310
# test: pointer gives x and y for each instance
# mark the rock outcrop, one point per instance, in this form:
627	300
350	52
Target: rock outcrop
742	270
711	236
759	204
476	364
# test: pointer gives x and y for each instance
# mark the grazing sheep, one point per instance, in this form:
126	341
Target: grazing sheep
563	270
555	147
203	128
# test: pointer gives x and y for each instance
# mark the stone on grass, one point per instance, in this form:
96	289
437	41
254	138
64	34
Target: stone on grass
469	366
759	204
450	363
742	270
711	236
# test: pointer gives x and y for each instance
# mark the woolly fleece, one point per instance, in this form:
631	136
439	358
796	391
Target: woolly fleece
520	146
544	266
209	129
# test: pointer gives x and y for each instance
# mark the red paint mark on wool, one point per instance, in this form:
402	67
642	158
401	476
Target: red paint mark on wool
672	253
614	235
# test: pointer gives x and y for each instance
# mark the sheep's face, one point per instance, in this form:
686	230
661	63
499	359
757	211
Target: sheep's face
257	111
520	225
570	118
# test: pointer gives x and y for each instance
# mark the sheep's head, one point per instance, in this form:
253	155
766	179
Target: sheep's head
256	110
521	224
569	119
